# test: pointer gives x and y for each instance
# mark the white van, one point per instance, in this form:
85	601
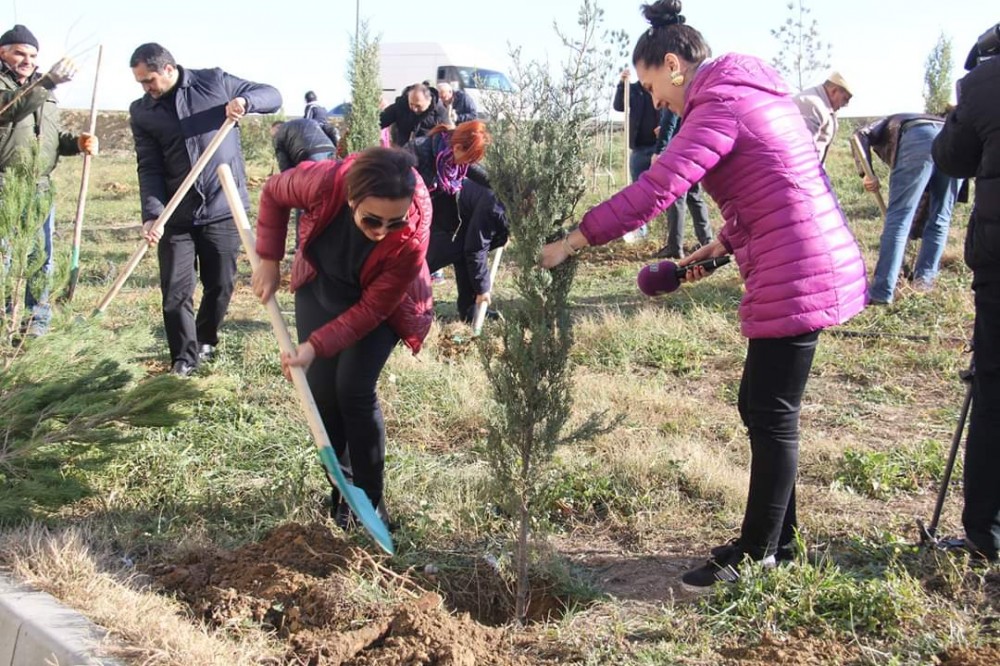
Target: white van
404	63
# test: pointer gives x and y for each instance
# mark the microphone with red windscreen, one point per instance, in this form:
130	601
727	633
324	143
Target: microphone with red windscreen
666	276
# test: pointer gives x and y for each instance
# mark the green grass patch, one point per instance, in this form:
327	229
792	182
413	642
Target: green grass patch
884	474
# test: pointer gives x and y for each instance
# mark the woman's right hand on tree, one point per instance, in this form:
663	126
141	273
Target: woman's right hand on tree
266	279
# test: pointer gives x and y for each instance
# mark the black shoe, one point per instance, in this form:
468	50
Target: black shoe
343	516
785	553
720	569
958	545
383	515
666	252
206	352
183	369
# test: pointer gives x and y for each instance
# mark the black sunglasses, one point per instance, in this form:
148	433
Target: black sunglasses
375	223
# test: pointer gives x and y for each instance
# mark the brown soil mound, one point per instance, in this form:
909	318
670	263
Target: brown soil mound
800	651
987	655
331	601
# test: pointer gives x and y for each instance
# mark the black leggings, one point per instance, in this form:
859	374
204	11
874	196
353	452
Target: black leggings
344	387
774	379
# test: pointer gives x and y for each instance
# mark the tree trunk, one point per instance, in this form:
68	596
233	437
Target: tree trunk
521	597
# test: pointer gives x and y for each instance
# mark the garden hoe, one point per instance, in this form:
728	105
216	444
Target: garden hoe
928	533
355	497
168	210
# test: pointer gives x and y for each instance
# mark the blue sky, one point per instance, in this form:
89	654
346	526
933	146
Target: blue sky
879	45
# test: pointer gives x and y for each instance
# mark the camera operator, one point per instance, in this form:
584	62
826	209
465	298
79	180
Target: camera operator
969	145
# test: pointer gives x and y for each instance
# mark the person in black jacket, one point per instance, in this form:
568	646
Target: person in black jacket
969	146
414	113
643	120
301	140
463	231
468	220
172	124
314	110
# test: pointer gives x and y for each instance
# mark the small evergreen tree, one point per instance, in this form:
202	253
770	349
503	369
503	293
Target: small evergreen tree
801	54
67	395
362	124
23	209
536	164
937	77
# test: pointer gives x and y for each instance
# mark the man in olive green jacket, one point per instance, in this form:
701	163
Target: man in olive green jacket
29	122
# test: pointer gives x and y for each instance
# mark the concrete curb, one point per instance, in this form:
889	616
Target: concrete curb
36	630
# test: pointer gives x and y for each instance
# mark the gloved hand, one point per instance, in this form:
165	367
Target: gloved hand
88	143
62	71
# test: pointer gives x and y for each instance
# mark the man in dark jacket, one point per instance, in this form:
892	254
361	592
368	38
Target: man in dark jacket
301	140
314	110
32	119
903	141
464	229
172	124
969	146
642	122
414	113
457	103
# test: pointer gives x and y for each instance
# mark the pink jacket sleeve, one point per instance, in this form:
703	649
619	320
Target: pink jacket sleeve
708	133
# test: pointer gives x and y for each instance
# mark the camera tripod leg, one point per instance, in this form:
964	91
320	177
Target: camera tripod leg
928	533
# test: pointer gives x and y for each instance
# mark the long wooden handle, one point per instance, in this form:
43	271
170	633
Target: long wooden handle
477	322
356	498
168	210
625	100
859	158
81	202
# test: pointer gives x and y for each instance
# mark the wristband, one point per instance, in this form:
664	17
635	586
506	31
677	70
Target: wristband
570	250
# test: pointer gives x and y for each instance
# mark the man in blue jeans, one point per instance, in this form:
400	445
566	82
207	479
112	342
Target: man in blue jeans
903	141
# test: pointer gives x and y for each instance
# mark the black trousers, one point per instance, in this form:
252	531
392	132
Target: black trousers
981	514
344	387
187	253
774	379
443	251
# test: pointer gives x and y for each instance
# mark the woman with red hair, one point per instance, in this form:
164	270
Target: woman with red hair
468	220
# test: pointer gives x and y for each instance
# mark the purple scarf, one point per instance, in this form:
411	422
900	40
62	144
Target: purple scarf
449	174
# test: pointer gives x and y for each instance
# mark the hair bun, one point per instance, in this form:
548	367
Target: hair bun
664	21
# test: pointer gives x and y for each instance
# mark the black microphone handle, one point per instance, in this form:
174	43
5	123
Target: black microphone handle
707	264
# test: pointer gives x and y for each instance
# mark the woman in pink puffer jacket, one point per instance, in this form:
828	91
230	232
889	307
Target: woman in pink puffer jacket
744	138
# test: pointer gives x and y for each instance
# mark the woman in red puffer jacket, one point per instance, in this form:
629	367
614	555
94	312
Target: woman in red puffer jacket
361	284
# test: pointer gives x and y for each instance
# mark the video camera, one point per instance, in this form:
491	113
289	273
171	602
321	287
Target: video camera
987	46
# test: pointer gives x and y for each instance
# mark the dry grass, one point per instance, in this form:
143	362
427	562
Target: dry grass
146	628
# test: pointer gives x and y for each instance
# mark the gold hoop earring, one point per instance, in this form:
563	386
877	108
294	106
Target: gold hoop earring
677	78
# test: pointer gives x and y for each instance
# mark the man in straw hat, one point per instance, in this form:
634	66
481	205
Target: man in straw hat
819	106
